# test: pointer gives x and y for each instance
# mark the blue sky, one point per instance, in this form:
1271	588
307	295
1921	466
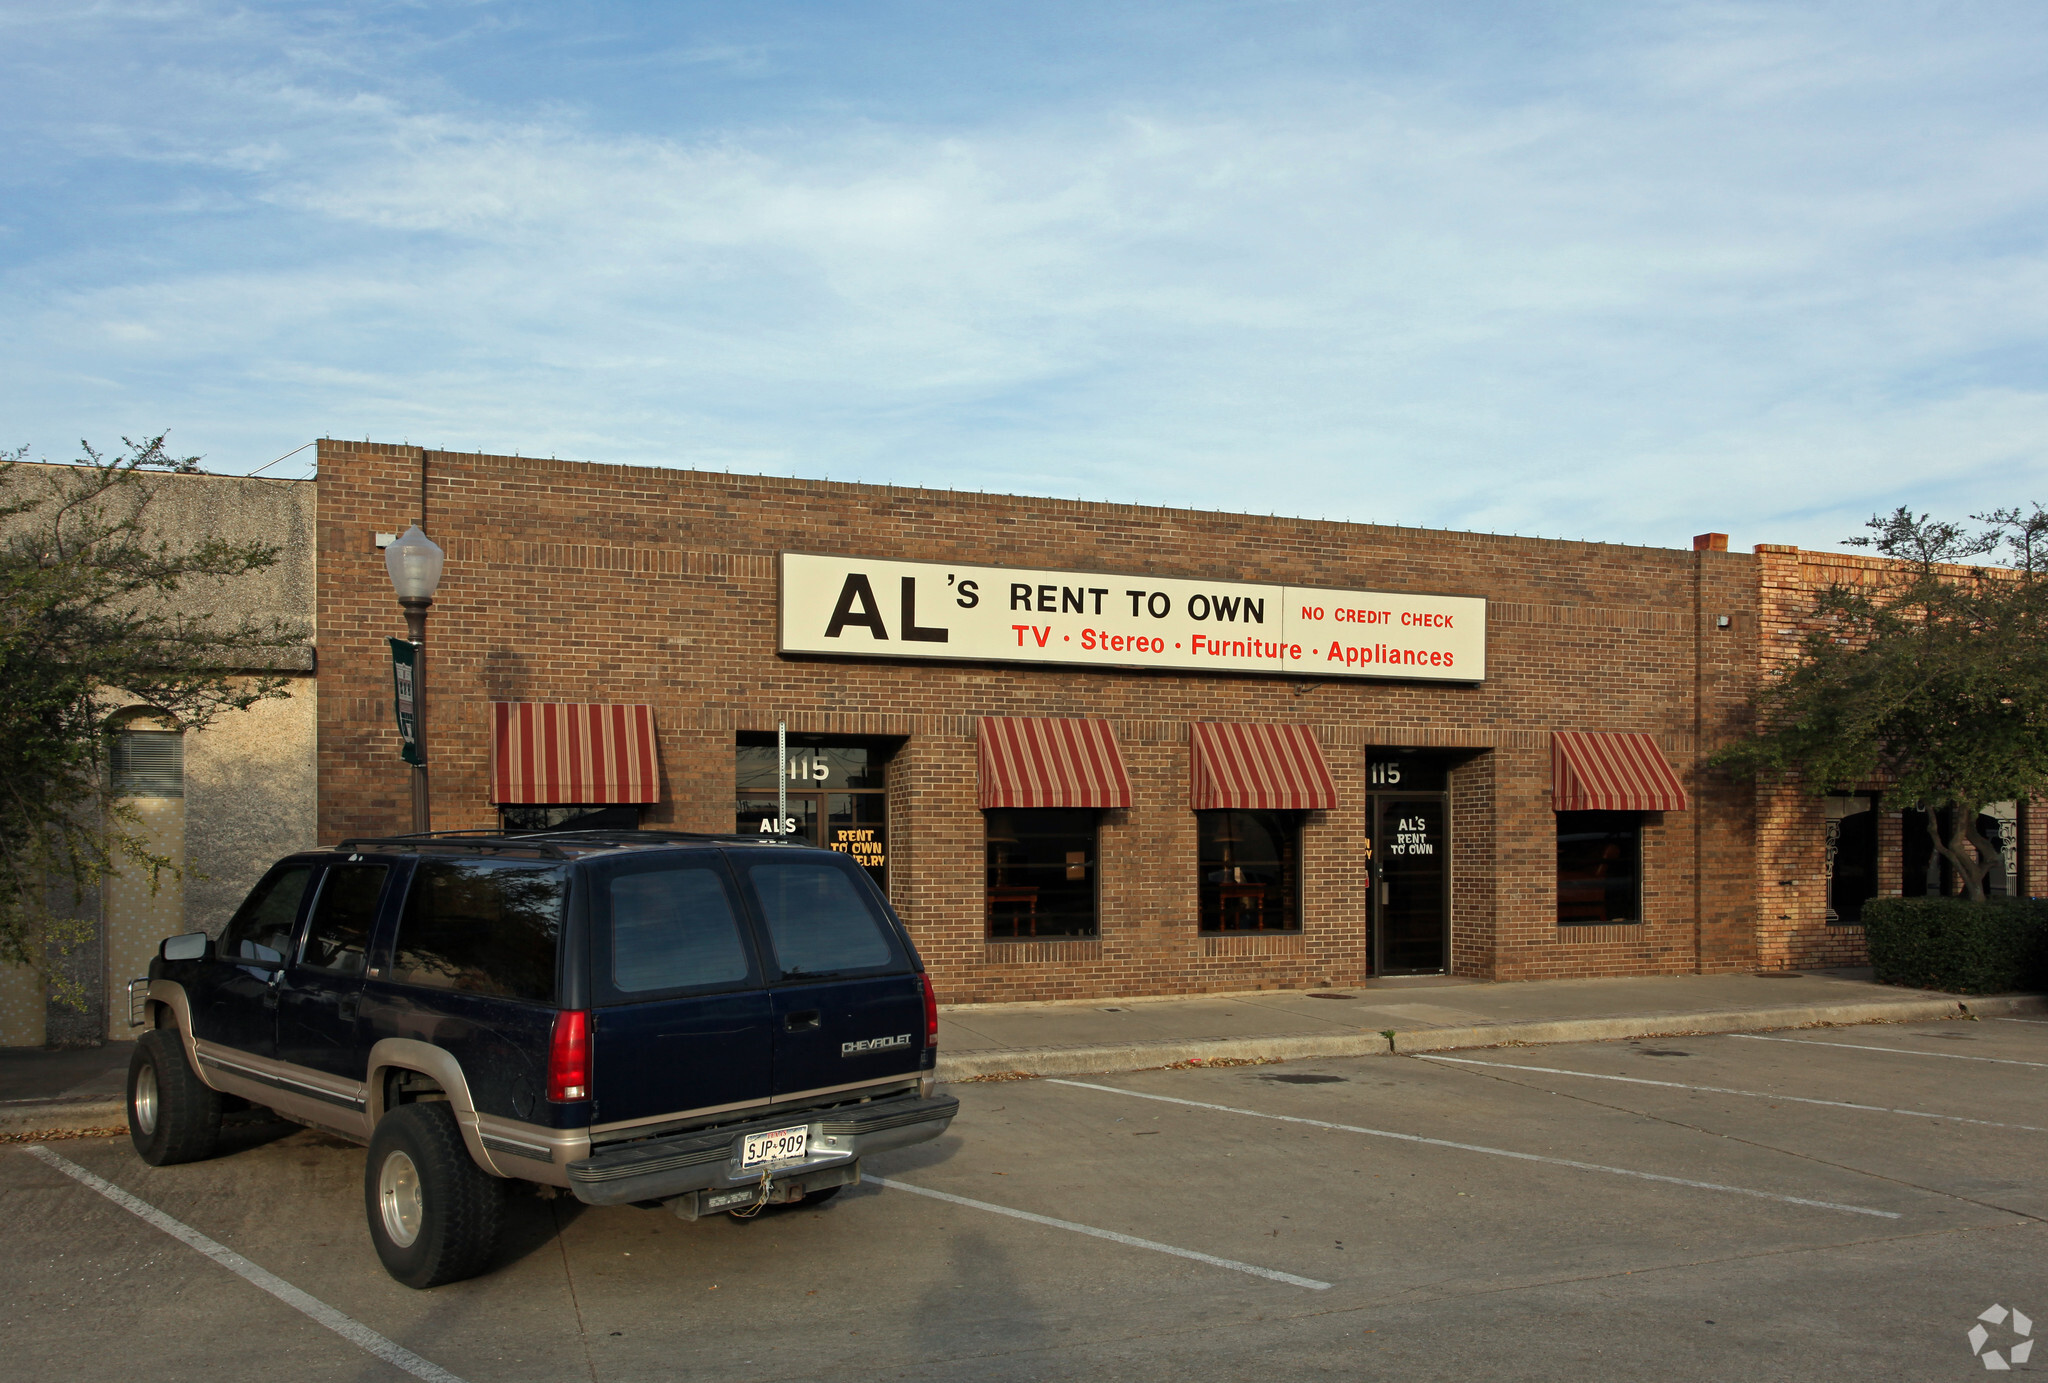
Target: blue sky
1620	272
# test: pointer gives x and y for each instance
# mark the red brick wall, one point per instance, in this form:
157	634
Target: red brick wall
569	581
2033	850
1792	930
1473	876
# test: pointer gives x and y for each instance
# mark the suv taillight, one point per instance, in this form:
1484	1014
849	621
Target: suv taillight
569	1057
931	1013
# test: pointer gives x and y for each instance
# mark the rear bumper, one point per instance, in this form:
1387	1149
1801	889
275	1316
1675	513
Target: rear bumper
658	1168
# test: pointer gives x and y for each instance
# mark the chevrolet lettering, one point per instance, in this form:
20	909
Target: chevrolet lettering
874	1044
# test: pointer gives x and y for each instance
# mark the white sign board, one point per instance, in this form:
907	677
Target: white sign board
852	607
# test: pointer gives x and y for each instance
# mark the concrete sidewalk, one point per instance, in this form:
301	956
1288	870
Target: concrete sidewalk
1423	1014
57	1091
63	1089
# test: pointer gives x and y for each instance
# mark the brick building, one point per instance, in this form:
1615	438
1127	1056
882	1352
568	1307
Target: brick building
1484	755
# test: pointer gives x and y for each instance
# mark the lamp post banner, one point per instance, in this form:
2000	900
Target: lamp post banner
405	661
853	607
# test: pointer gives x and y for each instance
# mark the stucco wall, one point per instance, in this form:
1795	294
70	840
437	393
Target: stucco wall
250	783
251	795
250	780
141	911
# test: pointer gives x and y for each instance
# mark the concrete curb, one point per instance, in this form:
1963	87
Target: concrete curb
1139	1056
58	1117
61	1116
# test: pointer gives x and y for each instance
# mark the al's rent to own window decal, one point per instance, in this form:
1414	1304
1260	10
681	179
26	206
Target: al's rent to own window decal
855	607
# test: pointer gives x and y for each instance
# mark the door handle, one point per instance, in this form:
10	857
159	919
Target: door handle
349	1007
805	1021
1383	892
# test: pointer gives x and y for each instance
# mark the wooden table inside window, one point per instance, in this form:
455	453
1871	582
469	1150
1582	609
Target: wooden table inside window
1249	898
1025	895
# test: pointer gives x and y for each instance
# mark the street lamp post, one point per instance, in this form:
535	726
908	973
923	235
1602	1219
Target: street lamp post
414	562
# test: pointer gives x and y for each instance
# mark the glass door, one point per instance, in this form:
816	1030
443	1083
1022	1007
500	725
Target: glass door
757	815
836	797
1411	895
854	824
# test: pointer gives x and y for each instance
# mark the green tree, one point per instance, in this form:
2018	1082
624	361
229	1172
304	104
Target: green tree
98	613
1932	681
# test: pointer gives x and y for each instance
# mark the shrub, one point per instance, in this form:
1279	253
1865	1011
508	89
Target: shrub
1957	945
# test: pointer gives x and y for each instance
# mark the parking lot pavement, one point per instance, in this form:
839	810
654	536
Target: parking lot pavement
1769	1206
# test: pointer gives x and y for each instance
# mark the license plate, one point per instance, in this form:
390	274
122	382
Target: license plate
775	1146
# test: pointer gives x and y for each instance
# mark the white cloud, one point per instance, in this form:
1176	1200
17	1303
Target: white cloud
1754	269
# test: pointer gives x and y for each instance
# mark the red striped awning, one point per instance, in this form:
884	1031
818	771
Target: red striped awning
573	755
1027	762
1258	767
1600	771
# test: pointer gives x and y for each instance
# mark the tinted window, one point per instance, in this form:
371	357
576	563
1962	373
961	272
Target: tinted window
1041	872
527	818
822	920
483	927
338	937
1851	858
1251	870
1599	874
837	766
674	929
262	926
1928	873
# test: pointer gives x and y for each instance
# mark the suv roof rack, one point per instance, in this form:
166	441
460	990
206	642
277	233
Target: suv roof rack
554	844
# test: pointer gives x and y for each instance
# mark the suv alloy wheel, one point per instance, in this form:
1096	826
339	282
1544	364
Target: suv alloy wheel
434	1214
173	1116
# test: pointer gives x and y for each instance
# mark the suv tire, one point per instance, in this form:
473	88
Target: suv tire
434	1214
173	1116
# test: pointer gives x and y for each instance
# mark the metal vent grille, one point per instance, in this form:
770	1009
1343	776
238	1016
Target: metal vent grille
149	763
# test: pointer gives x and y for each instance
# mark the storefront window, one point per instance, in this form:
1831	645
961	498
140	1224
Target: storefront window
1041	873
1928	872
1599	868
1251	871
527	817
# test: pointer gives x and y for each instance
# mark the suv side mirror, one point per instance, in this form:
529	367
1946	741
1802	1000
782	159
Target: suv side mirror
190	946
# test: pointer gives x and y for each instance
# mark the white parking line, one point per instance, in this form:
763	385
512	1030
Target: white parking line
1129	1241
1490	1152
1894	1051
2043	1021
354	1331
1724	1090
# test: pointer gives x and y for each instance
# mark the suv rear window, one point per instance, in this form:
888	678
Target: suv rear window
673	928
482	927
823	918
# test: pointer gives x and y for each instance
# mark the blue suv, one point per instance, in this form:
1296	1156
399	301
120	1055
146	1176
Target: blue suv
709	1023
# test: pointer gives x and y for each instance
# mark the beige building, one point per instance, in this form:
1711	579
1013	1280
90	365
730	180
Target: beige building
226	801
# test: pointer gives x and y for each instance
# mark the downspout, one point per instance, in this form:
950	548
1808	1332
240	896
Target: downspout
1699	746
